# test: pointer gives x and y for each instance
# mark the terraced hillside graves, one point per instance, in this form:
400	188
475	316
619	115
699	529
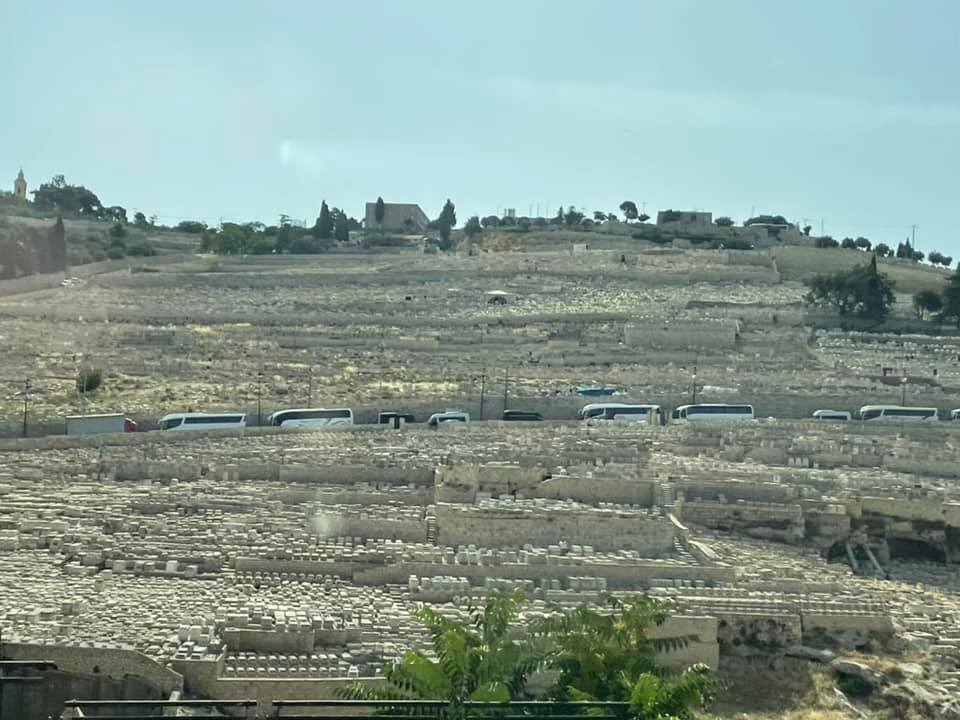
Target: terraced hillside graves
268	563
417	333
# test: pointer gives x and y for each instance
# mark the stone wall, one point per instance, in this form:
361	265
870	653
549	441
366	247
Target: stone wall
650	535
105	661
680	334
773	522
28	249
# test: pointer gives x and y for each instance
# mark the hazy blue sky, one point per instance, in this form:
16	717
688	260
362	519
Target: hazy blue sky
847	111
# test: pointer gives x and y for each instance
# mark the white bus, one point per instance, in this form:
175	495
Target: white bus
203	421
621	411
311	417
841	415
955	414
721	412
898	413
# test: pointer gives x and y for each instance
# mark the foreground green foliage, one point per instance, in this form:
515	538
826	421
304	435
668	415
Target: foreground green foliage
475	661
607	654
601	654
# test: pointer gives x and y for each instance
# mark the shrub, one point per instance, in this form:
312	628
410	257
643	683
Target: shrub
305	245
737	244
926	301
141	249
191	226
115	253
89	379
118	231
766	220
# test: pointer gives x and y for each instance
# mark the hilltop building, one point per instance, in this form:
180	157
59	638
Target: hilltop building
20	185
689	219
397	217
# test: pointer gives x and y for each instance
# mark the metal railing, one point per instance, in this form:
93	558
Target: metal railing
348	709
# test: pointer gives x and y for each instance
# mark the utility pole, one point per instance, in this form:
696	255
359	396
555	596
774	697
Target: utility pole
903	389
26	399
693	395
310	387
259	387
913	236
483	388
506	386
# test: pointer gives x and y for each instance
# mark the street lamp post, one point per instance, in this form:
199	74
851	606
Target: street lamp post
903	391
483	388
506	387
26	400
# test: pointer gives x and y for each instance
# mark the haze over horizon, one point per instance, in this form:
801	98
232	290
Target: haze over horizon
846	113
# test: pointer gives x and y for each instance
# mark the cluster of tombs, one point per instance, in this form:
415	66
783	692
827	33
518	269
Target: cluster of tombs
232	562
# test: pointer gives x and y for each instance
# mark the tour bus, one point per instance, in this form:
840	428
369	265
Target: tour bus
203	421
841	415
652	414
955	414
311	417
713	411
448	416
898	413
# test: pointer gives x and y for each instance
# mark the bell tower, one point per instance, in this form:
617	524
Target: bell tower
20	185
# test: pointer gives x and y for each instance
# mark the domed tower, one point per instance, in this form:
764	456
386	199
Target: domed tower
20	185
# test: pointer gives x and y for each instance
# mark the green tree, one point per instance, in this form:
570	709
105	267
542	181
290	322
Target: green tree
723	221
951	300
118	231
140	220
379	212
192	227
883	250
476	660
926	301
341	227
849	244
88	380
864	244
863	292
64	198
643	217
446	222
826	241
599	216
938	258
490	221
766	220
472	227
573	217
607	654
629	210
323	229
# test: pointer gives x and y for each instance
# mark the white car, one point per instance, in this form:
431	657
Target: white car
448	416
